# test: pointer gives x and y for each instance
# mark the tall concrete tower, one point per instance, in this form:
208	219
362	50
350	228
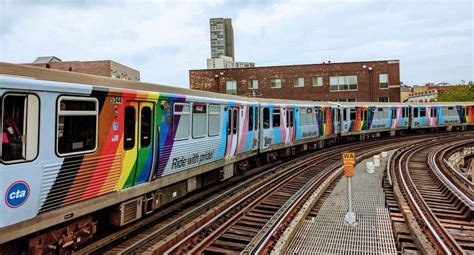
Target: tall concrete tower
222	38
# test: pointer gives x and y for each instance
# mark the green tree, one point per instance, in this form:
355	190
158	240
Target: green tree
464	93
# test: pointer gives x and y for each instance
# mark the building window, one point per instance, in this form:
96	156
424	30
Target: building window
318	81
253	84
298	82
383	99
214	120
181	121
20	130
383	81
199	120
77	125
343	83
276	83
231	87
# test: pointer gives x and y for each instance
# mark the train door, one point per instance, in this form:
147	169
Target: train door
291	117
232	130
137	145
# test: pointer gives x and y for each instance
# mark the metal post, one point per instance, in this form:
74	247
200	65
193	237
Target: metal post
350	216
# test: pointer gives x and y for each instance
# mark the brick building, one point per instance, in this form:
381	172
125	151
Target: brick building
106	68
351	81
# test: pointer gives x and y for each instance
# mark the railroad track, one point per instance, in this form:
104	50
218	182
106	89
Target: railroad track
442	210
159	232
253	226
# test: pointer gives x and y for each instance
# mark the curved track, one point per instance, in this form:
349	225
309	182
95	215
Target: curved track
443	210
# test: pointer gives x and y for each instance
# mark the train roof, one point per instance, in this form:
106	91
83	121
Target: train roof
288	101
442	103
39	73
377	104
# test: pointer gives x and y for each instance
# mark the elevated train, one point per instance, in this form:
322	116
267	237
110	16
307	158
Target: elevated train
81	151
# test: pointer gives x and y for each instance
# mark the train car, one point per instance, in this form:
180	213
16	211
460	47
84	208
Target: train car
442	115
295	125
367	119
82	143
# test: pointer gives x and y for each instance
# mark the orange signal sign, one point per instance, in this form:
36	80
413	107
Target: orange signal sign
349	170
348	158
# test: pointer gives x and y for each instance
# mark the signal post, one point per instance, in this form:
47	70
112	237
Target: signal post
348	159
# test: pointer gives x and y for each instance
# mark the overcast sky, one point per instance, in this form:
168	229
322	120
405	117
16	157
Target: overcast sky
434	40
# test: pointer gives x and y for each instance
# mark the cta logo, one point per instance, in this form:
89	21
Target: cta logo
17	194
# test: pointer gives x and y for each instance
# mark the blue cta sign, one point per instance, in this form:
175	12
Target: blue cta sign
17	194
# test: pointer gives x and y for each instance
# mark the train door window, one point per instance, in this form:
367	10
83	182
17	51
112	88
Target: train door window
129	128
146	127
292	118
199	120
353	114
214	120
181	121
235	114
364	115
415	112
325	116
345	114
266	118
394	113
229	121
463	111
423	112
250	118
433	112
276	118
309	116
20	126
379	114
303	118
77	125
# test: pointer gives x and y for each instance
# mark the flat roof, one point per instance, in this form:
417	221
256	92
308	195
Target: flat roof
297	65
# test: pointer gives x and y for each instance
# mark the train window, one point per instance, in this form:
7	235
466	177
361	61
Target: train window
250	118
394	113
146	126
287	118
235	114
303	118
434	112
325	116
309	116
229	121
345	114
380	113
181	121
20	126
276	118
199	120
415	112
77	125
129	128
364	114
353	114
266	118
292	118
423	112
214	120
